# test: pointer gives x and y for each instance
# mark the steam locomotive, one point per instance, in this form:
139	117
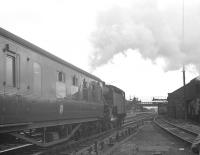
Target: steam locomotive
41	94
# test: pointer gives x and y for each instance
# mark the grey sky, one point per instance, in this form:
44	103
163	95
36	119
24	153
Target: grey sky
127	43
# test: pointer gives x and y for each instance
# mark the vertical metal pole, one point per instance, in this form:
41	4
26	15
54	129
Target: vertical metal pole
183	47
184	95
183	75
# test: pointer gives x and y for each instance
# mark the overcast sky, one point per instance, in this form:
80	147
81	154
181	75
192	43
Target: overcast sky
134	44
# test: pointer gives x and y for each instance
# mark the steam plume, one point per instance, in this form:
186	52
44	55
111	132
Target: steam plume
155	30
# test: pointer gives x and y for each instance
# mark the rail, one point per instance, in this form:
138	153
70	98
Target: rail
180	132
184	132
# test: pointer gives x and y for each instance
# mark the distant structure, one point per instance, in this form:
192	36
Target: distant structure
159	102
136	100
159	99
155	102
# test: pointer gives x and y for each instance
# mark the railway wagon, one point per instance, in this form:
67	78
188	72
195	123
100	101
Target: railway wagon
41	92
177	101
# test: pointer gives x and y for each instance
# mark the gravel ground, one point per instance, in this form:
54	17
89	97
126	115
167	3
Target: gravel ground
151	140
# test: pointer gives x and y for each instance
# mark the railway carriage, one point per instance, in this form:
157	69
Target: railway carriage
37	83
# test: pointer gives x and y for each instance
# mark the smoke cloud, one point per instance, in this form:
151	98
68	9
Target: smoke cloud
152	27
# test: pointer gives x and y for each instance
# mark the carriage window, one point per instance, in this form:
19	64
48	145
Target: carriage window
75	81
37	78
10	70
84	83
61	77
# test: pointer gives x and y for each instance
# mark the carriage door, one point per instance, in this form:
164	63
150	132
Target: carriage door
10	84
60	90
1	82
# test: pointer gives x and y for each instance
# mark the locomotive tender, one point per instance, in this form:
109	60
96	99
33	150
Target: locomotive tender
115	97
41	93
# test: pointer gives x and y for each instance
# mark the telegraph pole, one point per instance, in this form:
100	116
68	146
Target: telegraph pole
184	95
183	48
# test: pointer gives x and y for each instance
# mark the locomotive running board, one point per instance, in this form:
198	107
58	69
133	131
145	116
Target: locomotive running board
48	144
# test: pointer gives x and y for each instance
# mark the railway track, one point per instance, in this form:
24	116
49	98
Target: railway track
182	132
96	143
138	116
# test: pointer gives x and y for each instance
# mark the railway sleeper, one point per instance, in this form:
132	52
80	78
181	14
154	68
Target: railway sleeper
100	146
